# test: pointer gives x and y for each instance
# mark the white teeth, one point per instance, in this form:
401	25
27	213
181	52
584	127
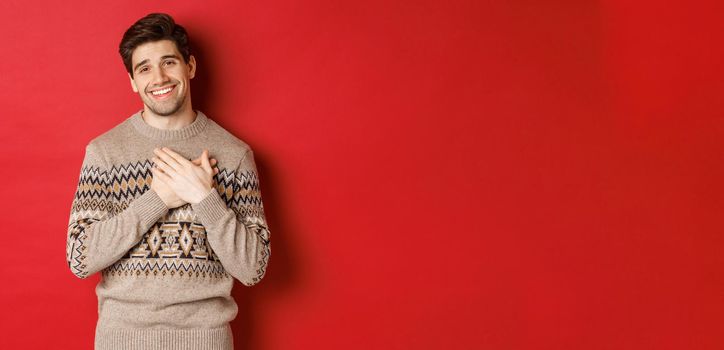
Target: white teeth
161	92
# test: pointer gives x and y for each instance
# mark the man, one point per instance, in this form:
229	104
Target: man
169	234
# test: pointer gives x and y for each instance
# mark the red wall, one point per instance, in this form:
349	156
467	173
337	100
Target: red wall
437	175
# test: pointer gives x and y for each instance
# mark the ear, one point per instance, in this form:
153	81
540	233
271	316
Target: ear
192	66
133	83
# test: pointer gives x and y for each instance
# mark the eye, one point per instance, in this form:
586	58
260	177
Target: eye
144	69
170	62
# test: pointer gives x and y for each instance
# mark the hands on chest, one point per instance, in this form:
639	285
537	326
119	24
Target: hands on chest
178	180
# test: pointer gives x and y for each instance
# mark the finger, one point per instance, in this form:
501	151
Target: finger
180	159
197	161
167	169
158	174
167	158
155	165
205	161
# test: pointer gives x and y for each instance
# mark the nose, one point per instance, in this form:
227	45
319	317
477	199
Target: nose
159	77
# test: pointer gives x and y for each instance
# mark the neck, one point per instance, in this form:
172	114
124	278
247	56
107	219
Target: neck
183	117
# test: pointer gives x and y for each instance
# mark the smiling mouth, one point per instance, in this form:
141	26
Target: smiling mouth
162	93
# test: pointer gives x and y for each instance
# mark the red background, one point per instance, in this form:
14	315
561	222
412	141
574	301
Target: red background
437	174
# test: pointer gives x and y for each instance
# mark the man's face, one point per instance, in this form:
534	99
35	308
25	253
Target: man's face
161	77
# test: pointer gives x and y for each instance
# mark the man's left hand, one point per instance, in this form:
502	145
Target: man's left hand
191	182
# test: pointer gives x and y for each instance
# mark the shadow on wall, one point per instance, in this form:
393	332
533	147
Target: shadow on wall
285	273
202	95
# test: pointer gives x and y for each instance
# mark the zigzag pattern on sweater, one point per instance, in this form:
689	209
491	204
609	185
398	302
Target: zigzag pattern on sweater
176	243
75	247
241	192
166	266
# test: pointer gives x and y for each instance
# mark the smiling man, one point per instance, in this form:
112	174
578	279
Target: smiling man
168	232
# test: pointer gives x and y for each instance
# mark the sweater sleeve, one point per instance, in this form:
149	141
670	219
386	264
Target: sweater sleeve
237	231
99	233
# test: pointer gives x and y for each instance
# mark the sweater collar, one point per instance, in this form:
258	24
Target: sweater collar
161	134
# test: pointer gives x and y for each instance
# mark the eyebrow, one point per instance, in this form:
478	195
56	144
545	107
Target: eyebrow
147	60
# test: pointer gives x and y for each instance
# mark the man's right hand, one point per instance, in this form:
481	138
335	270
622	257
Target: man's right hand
166	193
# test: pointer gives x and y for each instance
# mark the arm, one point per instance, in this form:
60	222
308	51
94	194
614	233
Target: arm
98	233
238	232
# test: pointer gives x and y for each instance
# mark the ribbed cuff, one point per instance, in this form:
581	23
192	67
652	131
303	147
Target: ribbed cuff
220	338
211	208
150	207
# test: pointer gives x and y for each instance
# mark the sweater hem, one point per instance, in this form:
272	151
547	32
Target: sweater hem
219	338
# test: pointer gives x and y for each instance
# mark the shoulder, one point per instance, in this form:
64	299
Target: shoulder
236	153
116	134
100	146
226	142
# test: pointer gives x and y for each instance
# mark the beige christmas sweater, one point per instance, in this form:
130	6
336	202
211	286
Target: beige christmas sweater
166	274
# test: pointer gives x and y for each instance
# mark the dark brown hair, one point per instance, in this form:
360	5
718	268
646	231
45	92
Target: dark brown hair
153	27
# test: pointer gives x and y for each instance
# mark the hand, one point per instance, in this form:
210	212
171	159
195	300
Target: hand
166	192
188	181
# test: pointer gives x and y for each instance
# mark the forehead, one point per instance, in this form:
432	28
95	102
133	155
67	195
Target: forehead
154	50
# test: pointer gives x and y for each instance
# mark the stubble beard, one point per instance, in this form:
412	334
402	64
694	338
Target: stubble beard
164	108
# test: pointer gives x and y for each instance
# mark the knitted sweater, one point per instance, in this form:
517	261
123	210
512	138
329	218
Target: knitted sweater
166	274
